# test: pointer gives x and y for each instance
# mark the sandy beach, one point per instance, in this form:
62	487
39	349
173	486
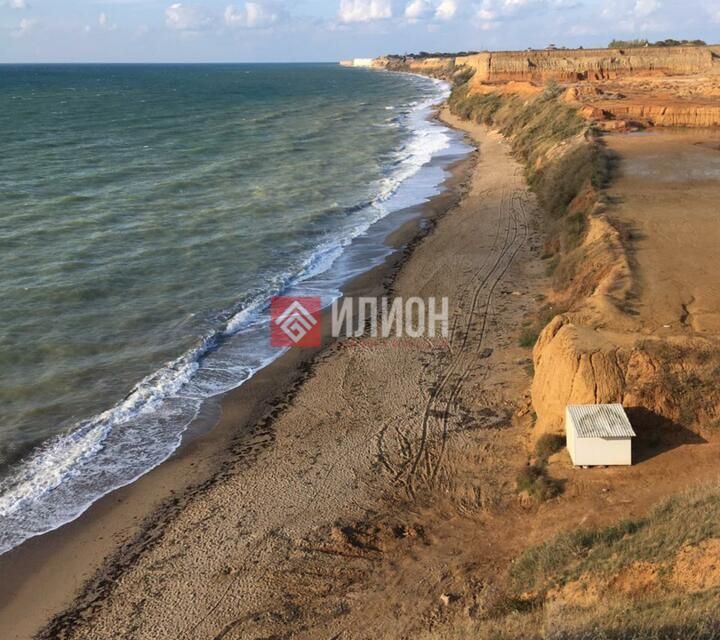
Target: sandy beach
46	573
311	440
356	491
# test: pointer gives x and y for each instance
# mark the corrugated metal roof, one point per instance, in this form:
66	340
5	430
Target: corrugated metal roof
600	421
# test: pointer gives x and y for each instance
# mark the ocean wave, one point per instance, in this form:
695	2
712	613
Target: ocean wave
59	480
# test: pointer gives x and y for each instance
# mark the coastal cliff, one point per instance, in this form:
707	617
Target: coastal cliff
592	345
589	64
631	315
614	88
568	64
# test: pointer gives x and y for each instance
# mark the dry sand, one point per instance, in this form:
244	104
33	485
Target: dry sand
378	496
362	430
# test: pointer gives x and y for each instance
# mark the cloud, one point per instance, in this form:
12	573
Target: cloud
15	4
364	10
180	17
105	23
644	8
446	10
492	10
485	13
26	26
418	9
255	15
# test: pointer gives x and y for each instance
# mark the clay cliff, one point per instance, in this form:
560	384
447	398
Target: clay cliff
598	347
590	64
615	88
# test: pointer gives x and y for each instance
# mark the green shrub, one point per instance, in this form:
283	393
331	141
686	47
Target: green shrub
462	76
548	444
534	480
528	337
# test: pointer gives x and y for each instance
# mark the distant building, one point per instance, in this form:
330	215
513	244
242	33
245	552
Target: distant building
598	435
357	62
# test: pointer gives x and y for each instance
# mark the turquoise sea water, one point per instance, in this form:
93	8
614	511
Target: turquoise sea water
147	214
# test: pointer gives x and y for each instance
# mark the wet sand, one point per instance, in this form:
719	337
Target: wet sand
45	574
360	428
364	490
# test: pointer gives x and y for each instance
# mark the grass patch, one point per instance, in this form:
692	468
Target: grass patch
462	76
534	480
687	519
528	338
565	165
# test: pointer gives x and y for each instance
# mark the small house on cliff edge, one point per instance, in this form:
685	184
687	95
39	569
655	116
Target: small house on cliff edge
598	435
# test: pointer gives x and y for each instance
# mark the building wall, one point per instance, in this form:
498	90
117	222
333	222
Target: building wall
589	452
599	451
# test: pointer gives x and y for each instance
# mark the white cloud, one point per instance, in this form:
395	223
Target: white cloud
254	15
105	23
15	4
446	10
182	17
493	10
644	8
418	9
486	14
26	26
364	10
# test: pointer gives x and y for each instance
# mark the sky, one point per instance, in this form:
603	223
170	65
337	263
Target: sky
328	30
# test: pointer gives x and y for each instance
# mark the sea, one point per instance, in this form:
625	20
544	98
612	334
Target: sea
148	214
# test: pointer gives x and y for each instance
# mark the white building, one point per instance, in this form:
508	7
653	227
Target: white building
357	62
598	434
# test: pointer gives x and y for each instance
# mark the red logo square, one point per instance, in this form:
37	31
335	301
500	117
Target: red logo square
295	321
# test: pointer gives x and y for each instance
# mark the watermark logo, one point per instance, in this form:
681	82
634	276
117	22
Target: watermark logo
295	321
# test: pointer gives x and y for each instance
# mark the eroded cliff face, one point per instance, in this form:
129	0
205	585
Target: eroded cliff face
671	114
436	67
571	65
600	349
657	380
616	88
589	64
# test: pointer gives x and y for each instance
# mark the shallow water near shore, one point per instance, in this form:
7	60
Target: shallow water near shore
149	213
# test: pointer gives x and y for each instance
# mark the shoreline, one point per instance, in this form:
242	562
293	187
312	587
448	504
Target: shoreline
307	500
378	497
117	436
57	563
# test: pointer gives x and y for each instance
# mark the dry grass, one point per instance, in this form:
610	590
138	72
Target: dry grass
535	482
565	166
527	606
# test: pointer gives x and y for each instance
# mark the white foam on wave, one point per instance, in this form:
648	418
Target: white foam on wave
59	480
